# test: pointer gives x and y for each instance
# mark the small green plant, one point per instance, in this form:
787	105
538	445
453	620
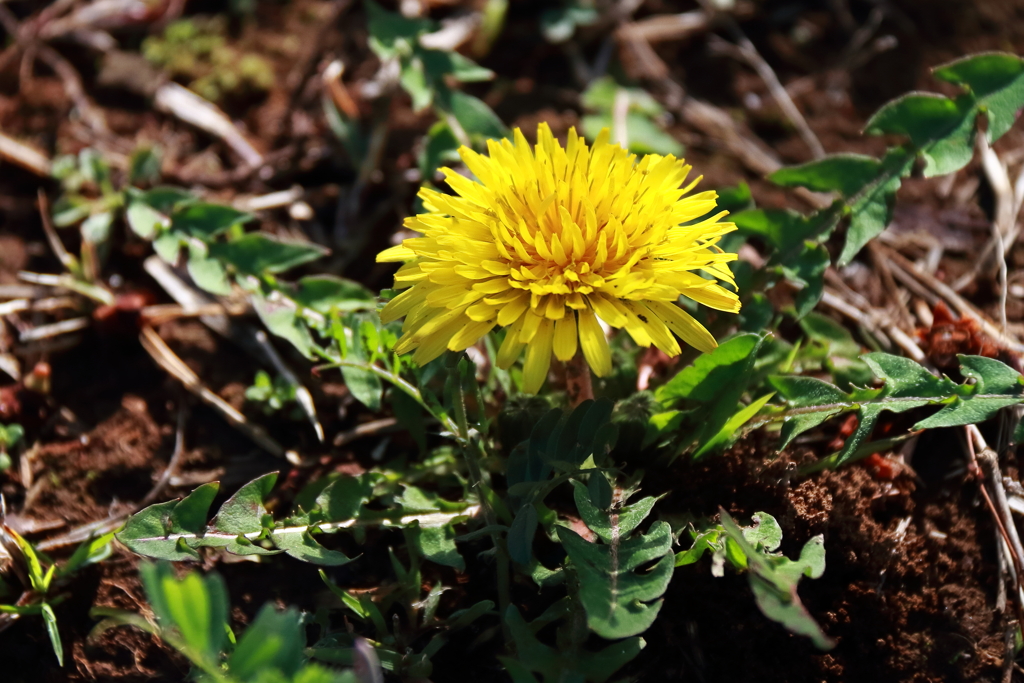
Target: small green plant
272	395
10	436
190	614
39	581
196	51
773	577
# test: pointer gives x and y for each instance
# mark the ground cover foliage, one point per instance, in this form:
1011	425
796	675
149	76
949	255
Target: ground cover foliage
835	478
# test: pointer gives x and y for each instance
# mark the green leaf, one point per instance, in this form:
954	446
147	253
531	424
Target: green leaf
808	271
940	129
144	220
440	147
273	642
787	231
147	533
731	428
475	117
193	607
774	579
281	318
300	544
436	542
391	34
165	199
206	221
907	385
207	273
846	174
328	293
521	533
996	81
243	513
51	630
619	601
713	384
96	228
558	24
601	522
256	253
872	205
559	665
167	245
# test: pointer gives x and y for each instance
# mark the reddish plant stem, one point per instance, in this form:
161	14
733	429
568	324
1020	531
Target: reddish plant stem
578	384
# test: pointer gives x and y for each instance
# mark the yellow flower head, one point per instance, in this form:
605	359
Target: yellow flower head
548	241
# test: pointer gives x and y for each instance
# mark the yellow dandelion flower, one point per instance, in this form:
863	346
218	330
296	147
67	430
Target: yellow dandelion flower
548	242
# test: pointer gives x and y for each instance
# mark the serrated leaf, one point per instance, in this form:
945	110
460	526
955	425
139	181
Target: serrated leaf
808	270
146	533
785	230
600	521
774	581
619	601
243	513
256	253
907	385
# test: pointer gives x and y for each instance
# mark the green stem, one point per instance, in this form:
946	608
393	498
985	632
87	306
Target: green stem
471	451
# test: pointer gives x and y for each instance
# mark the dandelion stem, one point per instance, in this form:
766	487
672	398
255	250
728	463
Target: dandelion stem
578	383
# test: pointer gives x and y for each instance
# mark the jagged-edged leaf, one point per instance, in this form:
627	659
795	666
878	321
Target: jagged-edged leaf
773	579
906	385
619	600
785	230
996	81
627	518
175	529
